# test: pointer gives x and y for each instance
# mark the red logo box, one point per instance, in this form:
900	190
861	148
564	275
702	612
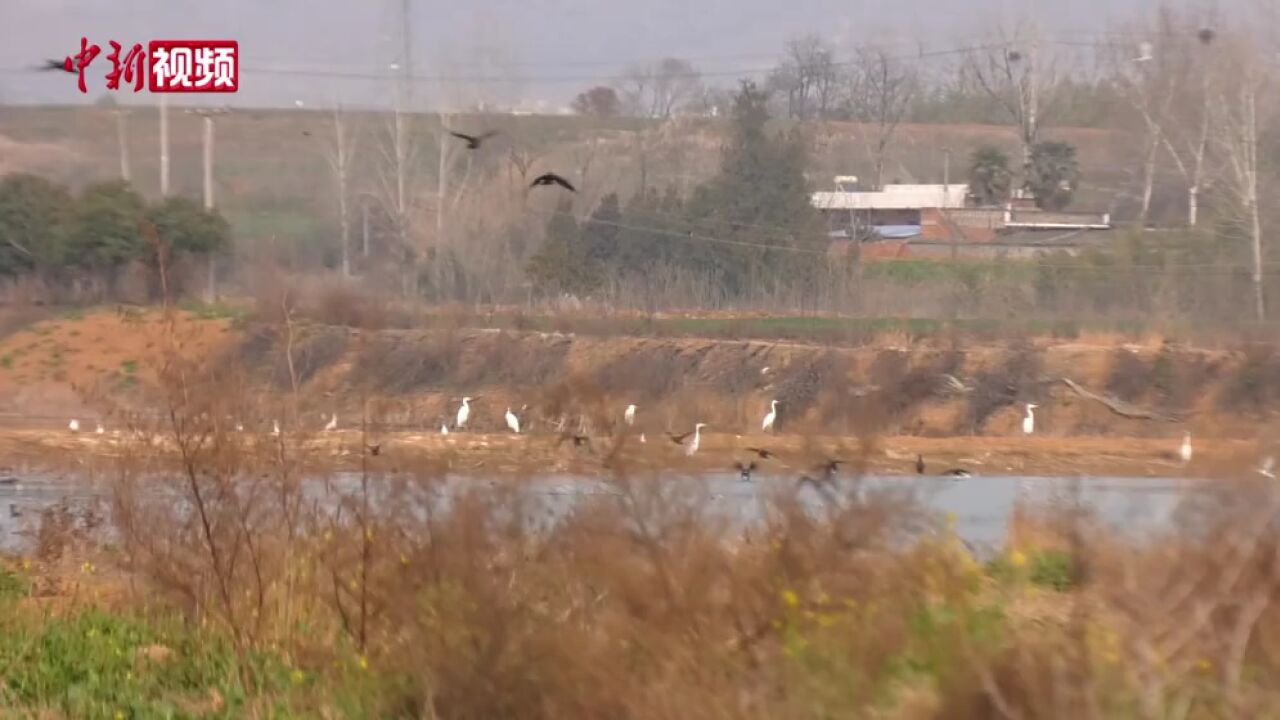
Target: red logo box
203	66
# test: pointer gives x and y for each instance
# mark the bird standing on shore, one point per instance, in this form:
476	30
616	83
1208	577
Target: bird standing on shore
919	464
513	422
773	415
698	438
1184	452
275	427
333	423
100	429
629	415
74	425
464	412
1029	421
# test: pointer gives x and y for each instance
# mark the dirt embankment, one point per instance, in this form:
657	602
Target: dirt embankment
1123	411
1144	391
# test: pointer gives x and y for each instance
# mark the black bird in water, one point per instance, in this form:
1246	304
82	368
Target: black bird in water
764	453
919	464
827	480
744	471
958	472
473	141
552	179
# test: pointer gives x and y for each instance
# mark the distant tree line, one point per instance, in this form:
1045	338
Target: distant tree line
83	242
748	229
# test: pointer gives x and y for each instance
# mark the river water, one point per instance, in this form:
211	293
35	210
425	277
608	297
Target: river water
979	506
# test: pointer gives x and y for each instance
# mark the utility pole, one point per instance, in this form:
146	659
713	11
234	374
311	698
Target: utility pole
406	45
211	293
123	142
164	144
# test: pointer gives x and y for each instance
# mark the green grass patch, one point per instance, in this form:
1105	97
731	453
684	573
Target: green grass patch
99	665
216	311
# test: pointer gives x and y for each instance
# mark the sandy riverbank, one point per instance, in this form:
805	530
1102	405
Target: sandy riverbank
481	454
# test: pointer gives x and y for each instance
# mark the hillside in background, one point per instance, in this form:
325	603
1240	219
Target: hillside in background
273	179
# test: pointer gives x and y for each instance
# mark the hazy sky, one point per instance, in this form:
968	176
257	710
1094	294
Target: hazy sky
555	47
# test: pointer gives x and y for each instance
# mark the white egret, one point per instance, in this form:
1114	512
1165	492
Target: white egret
333	423
444	429
697	439
464	412
630	415
74	425
1029	422
1184	452
773	415
275	427
100	429
513	422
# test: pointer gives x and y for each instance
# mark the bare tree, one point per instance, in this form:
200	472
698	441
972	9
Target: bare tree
340	151
1165	74
1241	92
1187	126
808	77
883	89
1146	73
397	179
1015	75
657	91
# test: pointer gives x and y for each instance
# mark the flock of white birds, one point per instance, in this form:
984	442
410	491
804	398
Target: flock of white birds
695	437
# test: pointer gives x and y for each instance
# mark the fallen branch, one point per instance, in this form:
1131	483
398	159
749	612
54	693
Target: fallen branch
1120	407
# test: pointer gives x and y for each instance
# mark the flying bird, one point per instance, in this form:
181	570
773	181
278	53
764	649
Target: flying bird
764	453
473	141
58	65
679	439
957	472
773	415
552	179
744	471
375	449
